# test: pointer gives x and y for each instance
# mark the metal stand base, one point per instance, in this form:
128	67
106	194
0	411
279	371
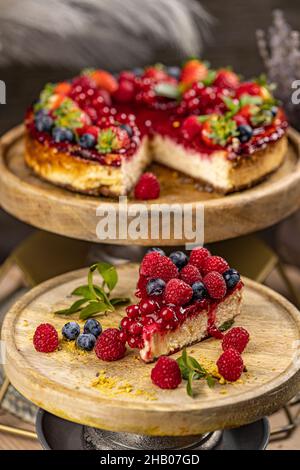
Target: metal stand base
58	434
96	439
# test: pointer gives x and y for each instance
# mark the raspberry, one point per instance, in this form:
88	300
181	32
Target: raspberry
125	92
230	365
214	263
178	292
45	338
190	274
237	338
166	373
110	346
198	255
147	187
215	285
155	265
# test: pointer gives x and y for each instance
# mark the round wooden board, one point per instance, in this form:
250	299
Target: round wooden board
60	211
61	382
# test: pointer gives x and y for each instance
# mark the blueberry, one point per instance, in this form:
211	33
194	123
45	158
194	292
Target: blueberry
86	341
179	258
71	330
231	277
127	128
173	71
274	110
43	122
245	133
155	286
92	326
138	71
158	250
61	134
87	141
199	291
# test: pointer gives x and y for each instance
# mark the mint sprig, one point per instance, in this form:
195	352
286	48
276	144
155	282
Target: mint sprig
96	299
191	370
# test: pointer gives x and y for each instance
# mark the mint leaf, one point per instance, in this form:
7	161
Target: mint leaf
189	387
75	307
119	300
167	90
226	325
84	291
93	308
109	274
210	381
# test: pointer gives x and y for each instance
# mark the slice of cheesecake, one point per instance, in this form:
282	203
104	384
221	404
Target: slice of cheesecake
182	301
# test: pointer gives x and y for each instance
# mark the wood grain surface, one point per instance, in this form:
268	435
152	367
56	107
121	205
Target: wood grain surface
66	383
57	210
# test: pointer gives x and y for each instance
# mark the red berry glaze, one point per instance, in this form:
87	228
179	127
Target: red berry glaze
148	306
155	265
147	187
214	263
190	274
166	373
215	285
198	255
45	338
230	365
110	346
177	292
237	338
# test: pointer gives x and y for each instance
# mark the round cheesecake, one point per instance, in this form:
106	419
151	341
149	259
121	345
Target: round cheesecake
97	133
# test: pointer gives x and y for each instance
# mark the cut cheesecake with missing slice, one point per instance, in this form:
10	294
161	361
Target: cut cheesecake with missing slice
182	301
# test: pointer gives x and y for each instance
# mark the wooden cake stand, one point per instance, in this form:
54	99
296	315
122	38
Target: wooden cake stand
57	210
119	396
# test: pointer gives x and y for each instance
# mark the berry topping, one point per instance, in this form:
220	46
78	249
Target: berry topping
45	338
179	258
245	133
127	128
190	274
92	326
148	306
111	139
71	330
125	92
215	285
237	338
199	291
155	265
198	255
232	277
159	250
191	127
155	287
147	187
193	71
86	341
104	80
43	122
168	316
87	141
133	311
178	292
225	78
110	346
135	329
230	365
62	134
166	373
214	263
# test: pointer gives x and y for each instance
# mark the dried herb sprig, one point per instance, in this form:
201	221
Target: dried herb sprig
96	299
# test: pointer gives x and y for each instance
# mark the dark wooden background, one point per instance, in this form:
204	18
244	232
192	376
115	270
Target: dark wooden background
232	42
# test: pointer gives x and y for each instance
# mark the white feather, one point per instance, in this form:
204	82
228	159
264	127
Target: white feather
105	33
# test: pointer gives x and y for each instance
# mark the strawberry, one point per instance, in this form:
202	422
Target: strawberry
253	89
104	80
63	88
226	79
156	73
193	71
112	138
217	131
